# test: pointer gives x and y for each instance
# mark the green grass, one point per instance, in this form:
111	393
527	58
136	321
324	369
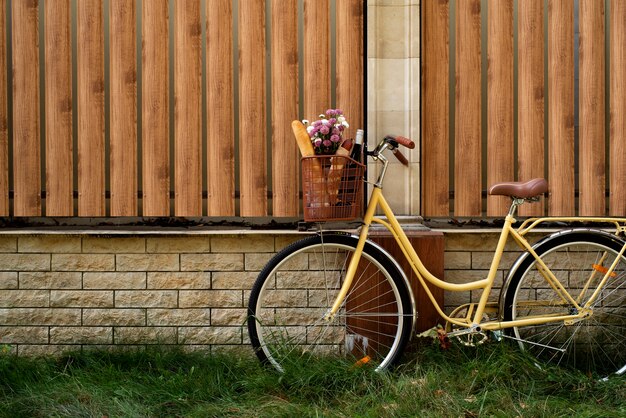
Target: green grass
431	382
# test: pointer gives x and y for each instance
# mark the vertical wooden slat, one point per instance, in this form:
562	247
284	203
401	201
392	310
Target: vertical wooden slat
500	132
220	120
58	85
531	93
4	118
90	76
591	139
316	57
435	108
188	108
155	109
284	107
252	139
349	62
26	141
123	119
561	106
618	107
467	185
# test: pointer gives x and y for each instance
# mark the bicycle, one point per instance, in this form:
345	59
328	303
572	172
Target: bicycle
341	295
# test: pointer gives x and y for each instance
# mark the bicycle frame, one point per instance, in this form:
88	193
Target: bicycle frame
377	200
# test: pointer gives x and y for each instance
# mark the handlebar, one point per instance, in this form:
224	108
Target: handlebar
401	140
391	143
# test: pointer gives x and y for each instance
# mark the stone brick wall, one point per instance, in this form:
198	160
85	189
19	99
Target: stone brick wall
62	292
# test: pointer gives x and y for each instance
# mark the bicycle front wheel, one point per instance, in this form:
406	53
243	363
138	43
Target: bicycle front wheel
294	292
579	259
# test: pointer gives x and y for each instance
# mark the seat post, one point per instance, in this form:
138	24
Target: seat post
515	202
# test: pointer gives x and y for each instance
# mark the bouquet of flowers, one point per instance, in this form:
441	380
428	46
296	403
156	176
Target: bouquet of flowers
326	133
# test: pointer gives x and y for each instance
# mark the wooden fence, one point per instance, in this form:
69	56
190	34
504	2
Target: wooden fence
514	112
167	107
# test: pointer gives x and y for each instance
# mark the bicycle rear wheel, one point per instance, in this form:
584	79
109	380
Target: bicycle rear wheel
596	344
295	290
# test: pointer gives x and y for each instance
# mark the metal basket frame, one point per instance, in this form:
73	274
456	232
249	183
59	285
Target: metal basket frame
332	188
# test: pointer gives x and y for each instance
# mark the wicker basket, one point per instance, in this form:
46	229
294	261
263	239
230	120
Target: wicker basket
332	188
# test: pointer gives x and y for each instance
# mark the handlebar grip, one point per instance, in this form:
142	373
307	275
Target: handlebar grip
400	157
405	141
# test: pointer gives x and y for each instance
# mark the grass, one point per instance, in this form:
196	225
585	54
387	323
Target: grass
431	382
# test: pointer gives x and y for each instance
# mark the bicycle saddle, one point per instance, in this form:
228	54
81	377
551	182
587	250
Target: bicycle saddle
521	190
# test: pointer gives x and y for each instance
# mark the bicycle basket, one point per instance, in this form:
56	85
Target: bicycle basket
332	188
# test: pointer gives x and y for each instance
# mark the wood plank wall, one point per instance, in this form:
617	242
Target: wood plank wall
542	124
26	143
132	138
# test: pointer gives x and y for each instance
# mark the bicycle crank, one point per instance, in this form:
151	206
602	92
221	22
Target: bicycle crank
470	337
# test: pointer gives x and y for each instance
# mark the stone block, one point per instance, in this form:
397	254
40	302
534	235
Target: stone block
189	244
23	335
222	317
81	335
281	241
210	298
146	299
8	244
211	262
147	262
49	244
109	280
114	245
180	317
81	299
454	299
242	244
483	260
233	280
24	298
210	335
50	280
24	262
8	280
39	316
114	317
256	261
458	260
83	262
145	335
179	280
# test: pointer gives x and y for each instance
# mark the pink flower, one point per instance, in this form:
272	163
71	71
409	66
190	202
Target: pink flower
327	143
335	138
324	130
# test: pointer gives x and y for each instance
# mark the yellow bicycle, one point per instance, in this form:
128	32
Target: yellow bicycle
341	295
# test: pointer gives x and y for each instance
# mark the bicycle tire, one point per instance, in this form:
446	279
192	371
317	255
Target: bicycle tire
296	289
595	345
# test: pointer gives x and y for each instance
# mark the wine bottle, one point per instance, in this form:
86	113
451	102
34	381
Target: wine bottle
357	148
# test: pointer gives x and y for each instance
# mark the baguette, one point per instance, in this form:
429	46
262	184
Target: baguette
302	138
